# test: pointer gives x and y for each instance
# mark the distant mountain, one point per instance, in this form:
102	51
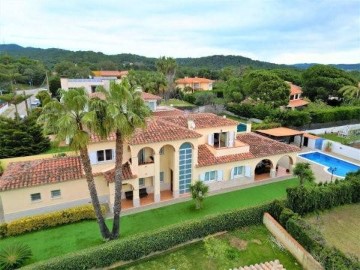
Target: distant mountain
348	67
52	56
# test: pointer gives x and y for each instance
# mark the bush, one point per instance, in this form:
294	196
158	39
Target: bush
13	257
264	125
335	114
285	215
137	246
259	110
306	199
44	221
291	117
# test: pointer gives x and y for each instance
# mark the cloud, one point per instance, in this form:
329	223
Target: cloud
269	30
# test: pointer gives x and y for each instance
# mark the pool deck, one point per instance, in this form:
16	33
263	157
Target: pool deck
322	175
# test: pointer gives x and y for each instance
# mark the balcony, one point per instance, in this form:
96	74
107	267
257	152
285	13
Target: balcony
238	148
146	170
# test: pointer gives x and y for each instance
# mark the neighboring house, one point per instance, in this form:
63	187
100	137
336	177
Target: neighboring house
90	85
160	163
110	73
295	99
195	83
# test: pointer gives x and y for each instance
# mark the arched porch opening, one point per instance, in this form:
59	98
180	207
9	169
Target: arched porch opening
146	156
263	169
284	166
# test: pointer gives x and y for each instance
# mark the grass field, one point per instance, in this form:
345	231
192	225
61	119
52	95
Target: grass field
64	239
340	227
245	246
177	103
334	137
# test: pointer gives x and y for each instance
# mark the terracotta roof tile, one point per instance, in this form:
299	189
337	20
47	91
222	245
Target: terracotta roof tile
126	173
294	89
110	73
297	103
261	146
148	96
40	172
163	111
206	158
193	80
201	120
158	130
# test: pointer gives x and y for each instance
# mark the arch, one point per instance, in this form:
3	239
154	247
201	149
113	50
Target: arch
186	145
284	165
162	148
146	155
263	169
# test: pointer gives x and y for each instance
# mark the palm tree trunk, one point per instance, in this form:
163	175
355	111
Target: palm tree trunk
118	185
105	233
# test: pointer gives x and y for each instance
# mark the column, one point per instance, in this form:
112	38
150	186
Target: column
156	178
176	175
136	197
273	173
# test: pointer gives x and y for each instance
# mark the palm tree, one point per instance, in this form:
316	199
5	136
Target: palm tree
70	119
15	100
304	172
167	66
198	193
350	91
124	111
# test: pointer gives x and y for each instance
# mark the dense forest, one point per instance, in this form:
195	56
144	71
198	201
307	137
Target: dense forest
98	60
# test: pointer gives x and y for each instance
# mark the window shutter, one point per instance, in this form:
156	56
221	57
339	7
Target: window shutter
232	174
202	177
219	175
247	171
93	158
211	139
231	138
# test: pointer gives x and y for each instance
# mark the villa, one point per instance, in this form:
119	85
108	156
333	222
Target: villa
160	163
295	99
195	83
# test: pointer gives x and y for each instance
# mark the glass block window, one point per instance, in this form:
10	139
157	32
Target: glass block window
185	168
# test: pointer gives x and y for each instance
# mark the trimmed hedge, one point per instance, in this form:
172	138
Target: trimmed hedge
335	114
137	246
306	199
44	221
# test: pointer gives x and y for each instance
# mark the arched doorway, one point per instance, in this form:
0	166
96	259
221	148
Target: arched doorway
185	167
146	156
284	166
263	169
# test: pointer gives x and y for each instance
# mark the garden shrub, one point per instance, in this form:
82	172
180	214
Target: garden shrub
53	219
264	125
285	215
335	114
140	245
306	199
14	256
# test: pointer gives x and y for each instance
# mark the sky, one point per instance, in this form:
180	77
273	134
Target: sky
284	32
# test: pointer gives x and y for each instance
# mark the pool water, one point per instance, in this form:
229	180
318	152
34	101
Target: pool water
342	167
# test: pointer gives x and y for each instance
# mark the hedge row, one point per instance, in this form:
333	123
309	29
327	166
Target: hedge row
312	240
141	245
295	117
264	125
53	219
306	199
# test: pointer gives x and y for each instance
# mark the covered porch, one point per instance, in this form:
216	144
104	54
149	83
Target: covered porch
165	195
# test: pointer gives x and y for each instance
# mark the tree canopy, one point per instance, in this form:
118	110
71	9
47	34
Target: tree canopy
322	81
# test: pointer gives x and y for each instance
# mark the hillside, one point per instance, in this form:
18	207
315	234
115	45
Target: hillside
348	67
52	56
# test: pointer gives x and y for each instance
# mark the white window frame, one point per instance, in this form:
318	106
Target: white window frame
236	173
55	196
141	182
104	153
36	200
210	176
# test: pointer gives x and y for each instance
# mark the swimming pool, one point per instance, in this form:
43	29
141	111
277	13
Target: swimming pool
342	166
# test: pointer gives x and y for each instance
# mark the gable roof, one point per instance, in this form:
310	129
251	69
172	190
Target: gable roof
280	132
162	111
261	146
40	172
294	89
148	96
193	80
158	130
126	173
297	103
201	120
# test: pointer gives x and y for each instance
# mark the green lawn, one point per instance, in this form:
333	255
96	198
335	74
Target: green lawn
236	118
177	103
64	239
247	246
340	227
334	137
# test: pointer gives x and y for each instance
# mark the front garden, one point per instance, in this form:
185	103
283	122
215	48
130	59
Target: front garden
245	246
53	242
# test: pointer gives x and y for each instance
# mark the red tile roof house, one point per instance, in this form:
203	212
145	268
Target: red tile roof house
160	163
195	83
295	100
